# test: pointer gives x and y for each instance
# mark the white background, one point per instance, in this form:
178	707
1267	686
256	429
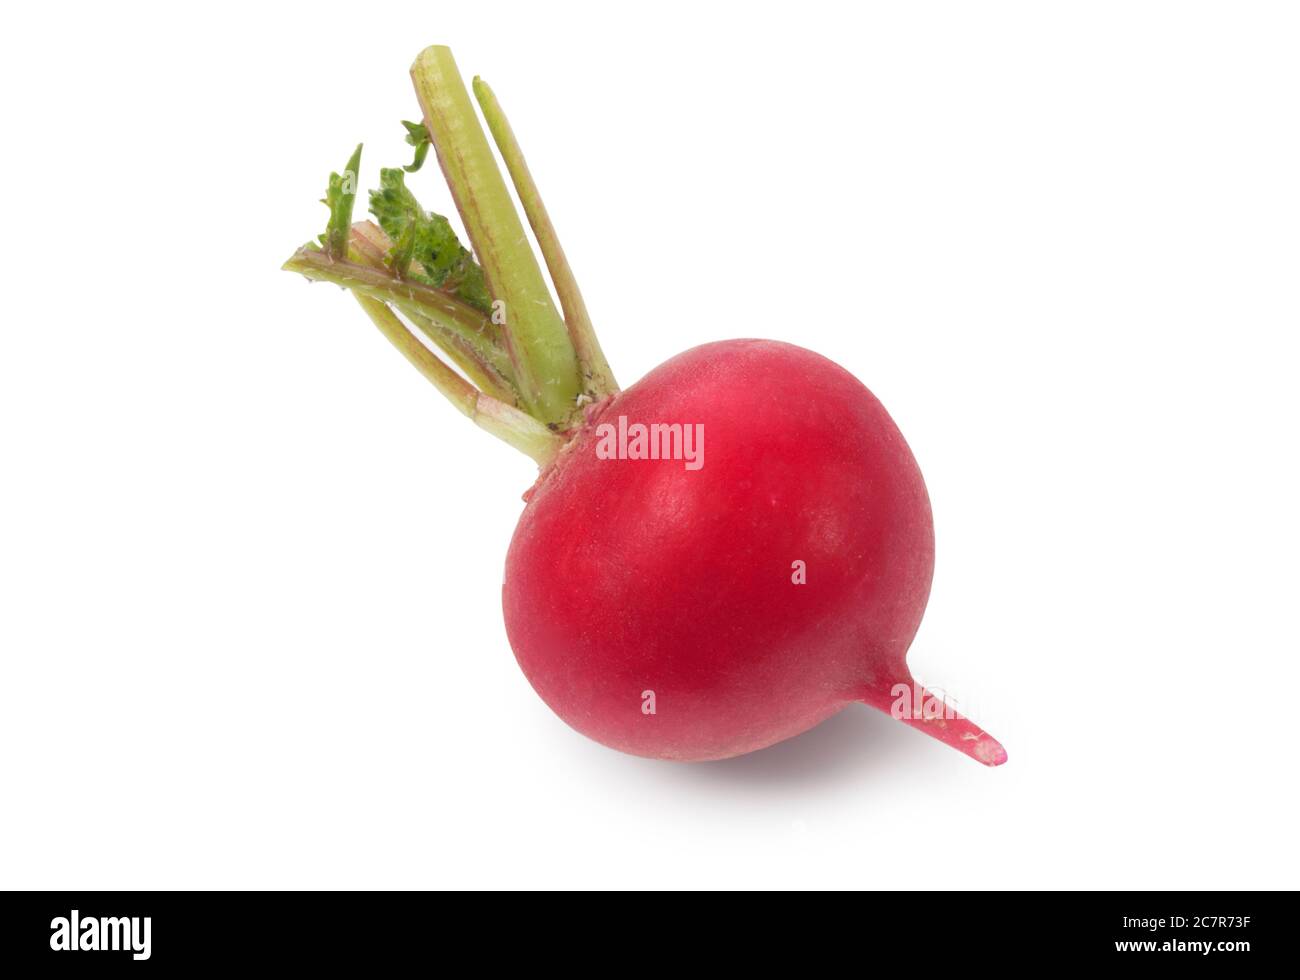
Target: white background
250	627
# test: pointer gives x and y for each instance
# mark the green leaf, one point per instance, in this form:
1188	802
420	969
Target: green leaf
339	198
403	251
427	239
418	137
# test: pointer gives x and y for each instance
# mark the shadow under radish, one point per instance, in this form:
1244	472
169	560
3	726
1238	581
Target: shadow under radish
857	743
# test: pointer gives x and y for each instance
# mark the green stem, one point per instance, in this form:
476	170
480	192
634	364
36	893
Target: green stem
509	424
595	368
370	246
467	326
487	377
545	364
375	248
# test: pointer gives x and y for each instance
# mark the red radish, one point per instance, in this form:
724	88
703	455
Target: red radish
634	576
718	558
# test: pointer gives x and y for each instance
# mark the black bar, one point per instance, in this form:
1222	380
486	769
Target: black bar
933	931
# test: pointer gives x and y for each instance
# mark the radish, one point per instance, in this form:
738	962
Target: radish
716	559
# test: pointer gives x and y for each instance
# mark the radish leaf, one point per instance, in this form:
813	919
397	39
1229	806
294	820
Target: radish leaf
339	198
428	239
